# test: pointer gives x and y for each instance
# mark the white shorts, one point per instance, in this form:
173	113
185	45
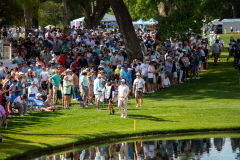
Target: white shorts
97	97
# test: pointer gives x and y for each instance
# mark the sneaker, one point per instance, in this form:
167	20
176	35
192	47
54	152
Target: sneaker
153	91
122	115
97	108
110	113
9	116
140	105
26	114
137	105
21	115
86	106
113	112
198	78
180	82
90	104
193	77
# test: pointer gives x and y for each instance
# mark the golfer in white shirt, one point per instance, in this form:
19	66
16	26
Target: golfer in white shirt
123	92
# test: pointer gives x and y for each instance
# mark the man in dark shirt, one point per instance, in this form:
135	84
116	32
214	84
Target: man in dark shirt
82	61
68	61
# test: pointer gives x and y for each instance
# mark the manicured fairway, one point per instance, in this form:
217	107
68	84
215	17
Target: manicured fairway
209	103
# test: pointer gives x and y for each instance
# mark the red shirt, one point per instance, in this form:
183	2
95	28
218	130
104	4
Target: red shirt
62	59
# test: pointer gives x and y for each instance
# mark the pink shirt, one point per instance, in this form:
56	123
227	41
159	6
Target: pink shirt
2	111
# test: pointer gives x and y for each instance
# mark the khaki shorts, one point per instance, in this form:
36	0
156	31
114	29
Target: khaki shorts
174	74
216	55
55	89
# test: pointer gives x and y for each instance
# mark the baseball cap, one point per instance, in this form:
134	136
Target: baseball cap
99	76
138	74
123	80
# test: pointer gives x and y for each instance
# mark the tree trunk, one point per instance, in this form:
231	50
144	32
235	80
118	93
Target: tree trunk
35	18
65	14
26	21
126	27
234	11
94	12
162	15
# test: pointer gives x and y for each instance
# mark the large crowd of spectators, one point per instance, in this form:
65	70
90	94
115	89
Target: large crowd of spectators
53	65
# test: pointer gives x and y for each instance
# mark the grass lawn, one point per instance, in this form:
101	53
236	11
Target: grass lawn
210	103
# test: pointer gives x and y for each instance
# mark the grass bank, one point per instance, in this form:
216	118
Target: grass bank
211	103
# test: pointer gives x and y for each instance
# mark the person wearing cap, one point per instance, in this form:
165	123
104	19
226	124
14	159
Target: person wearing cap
66	91
221	44
113	61
61	68
120	58
139	89
75	64
84	87
122	73
14	64
195	66
55	81
48	105
68	61
19	85
129	79
123	93
44	75
32	89
39	70
97	86
151	75
109	92
20	102
216	51
56	48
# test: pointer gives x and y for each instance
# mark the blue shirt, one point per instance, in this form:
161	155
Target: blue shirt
128	76
19	85
123	73
97	84
84	80
34	68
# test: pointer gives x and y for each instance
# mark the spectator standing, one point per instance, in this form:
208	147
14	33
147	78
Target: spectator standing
138	89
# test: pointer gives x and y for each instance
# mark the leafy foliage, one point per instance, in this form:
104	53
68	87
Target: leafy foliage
50	13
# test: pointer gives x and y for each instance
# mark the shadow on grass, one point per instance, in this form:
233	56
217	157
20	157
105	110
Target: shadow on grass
149	118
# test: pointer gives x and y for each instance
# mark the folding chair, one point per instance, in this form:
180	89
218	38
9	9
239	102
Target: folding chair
33	102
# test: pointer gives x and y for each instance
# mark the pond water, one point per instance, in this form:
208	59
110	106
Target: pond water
192	149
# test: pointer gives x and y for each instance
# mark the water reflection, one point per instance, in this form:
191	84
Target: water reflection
212	149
